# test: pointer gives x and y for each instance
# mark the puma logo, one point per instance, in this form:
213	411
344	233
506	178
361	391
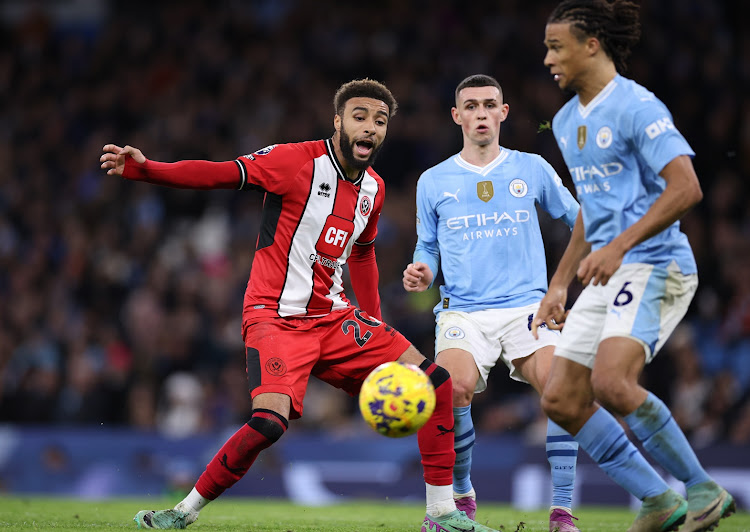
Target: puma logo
233	470
454	196
444	431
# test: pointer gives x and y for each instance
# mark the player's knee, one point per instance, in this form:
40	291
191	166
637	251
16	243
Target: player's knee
557	408
611	391
271	425
463	392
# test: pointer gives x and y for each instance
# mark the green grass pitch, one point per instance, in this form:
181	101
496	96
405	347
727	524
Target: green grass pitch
272	515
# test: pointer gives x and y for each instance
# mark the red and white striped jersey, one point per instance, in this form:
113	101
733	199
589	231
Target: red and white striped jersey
312	216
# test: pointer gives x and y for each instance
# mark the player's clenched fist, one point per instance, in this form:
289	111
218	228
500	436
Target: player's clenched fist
417	277
113	158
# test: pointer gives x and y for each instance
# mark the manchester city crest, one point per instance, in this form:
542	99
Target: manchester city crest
518	188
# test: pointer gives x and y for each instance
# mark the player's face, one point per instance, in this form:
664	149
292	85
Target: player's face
361	130
565	57
480	111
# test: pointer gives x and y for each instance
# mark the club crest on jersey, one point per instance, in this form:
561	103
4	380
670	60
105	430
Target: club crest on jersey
266	150
365	206
581	137
455	333
485	191
518	188
604	137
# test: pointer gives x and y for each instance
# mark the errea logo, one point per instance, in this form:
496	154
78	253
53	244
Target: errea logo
325	190
655	129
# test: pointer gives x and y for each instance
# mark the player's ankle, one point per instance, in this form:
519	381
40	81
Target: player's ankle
441	508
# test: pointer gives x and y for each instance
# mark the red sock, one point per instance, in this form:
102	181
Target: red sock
436	437
239	452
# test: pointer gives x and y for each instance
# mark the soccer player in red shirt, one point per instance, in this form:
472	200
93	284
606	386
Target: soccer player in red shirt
322	200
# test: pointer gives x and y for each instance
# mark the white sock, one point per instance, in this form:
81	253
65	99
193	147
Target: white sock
193	502
440	500
471	494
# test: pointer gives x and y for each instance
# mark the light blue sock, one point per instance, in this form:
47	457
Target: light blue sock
605	441
464	427
562	454
653	424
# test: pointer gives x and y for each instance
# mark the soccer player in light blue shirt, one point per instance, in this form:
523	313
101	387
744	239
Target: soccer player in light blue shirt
634	177
477	221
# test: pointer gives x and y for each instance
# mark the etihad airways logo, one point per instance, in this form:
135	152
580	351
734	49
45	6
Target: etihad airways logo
600	171
483	219
482	225
590	179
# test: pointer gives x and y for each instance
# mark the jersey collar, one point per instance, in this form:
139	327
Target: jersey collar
585	110
337	165
482	170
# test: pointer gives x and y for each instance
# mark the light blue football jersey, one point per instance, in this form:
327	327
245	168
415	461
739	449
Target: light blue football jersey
615	148
480	225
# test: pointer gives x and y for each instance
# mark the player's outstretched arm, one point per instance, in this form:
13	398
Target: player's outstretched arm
417	277
113	158
130	163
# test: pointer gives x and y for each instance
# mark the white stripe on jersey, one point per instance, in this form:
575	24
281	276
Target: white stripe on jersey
298	284
368	188
243	174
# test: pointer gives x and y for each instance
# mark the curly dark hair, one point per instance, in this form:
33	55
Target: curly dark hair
364	88
614	22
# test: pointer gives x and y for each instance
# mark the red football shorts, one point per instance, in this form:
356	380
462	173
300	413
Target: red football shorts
341	349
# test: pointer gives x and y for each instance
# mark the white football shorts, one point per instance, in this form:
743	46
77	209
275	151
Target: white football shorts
490	335
640	301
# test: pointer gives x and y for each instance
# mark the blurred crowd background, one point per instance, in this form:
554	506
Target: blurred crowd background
120	302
